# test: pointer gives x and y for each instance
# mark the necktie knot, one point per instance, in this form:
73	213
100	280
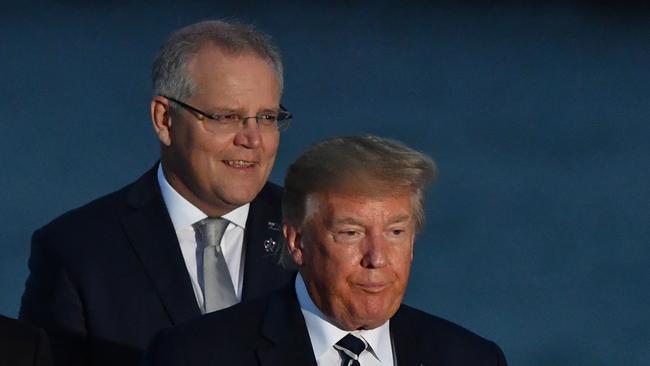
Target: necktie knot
350	347
210	230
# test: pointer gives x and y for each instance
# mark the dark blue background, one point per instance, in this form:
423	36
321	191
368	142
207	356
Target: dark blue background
537	114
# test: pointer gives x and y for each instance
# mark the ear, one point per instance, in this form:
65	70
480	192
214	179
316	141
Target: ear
161	119
294	243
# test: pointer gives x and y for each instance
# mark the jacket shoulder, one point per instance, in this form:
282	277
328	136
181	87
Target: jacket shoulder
449	341
431	324
103	210
82	231
100	208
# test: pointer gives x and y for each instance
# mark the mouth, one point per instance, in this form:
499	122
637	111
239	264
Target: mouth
373	287
239	164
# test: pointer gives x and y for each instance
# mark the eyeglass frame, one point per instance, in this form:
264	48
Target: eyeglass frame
217	117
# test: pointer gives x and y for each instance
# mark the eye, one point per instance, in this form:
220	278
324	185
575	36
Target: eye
226	118
267	118
231	117
396	233
348	236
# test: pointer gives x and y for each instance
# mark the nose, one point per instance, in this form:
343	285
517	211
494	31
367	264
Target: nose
249	135
375	252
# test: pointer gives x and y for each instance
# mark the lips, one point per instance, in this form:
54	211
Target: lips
373	287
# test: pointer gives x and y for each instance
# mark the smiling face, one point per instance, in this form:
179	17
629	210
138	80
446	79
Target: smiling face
355	254
218	172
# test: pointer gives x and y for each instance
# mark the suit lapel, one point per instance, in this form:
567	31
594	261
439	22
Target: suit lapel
262	238
285	338
407	347
152	236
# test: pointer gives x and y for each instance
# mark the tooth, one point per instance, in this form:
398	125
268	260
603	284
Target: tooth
239	163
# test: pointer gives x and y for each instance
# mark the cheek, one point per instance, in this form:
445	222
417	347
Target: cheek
403	266
206	153
334	266
186	141
271	144
212	143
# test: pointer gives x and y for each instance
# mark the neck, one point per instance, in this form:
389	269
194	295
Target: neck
212	209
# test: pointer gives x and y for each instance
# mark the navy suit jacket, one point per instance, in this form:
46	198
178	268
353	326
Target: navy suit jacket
105	277
271	331
22	344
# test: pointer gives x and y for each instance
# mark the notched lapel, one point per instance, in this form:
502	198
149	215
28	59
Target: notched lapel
152	236
261	269
408	348
286	340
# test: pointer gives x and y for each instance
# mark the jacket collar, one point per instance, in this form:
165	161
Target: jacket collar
151	233
285	339
262	239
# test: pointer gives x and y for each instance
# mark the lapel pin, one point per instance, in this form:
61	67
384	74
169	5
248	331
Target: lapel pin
273	226
270	245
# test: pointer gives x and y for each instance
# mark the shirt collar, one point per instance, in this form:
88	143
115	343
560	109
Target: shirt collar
324	334
184	214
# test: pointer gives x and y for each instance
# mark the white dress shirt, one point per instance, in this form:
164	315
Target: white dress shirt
184	214
324	335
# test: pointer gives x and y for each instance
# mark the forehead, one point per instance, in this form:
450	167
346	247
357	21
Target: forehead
331	206
212	64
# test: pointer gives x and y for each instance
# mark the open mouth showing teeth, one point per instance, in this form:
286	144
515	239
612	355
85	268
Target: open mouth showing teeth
239	163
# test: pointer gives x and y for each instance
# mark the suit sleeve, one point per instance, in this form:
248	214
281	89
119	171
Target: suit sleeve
165	350
52	302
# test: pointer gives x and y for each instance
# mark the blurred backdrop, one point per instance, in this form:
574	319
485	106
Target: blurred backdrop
537	114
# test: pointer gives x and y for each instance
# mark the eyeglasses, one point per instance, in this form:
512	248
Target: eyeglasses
216	122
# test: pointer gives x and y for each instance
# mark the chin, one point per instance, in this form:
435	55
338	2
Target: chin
371	318
245	191
243	194
378	315
235	202
371	322
246	198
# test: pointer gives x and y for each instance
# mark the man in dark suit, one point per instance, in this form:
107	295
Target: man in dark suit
22	344
352	207
192	235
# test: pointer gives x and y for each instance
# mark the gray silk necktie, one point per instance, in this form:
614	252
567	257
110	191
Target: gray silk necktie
217	286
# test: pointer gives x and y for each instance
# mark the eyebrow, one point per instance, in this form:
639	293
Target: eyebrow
240	109
345	221
399	219
351	221
266	109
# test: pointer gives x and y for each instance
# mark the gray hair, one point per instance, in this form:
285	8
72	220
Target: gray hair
169	72
364	165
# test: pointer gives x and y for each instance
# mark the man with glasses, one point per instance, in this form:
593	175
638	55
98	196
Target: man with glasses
193	235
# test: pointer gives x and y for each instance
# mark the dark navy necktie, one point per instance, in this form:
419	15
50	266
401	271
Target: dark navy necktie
350	347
